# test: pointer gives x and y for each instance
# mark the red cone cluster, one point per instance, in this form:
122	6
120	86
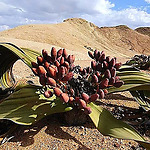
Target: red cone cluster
73	84
55	67
104	70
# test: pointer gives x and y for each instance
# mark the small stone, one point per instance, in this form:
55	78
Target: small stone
116	145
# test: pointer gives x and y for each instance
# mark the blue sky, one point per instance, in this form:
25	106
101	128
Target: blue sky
123	4
134	13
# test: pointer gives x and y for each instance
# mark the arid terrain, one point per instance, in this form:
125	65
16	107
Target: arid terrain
77	36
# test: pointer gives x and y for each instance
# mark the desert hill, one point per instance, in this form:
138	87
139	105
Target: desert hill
143	30
79	35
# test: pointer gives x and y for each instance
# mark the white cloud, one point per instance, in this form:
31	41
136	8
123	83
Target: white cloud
148	1
100	12
4	27
104	6
131	17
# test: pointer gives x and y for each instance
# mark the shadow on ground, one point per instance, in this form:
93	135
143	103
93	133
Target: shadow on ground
52	126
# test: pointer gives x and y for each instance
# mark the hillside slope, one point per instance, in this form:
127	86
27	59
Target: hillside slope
78	34
143	30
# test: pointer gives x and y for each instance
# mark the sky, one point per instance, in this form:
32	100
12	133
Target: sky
133	13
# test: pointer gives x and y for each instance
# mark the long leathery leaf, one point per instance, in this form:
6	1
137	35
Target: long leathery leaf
108	125
25	107
9	54
134	82
141	100
129	87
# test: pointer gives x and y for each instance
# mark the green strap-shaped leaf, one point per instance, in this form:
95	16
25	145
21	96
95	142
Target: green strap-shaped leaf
134	81
108	125
127	73
9	54
142	99
127	68
25	107
129	87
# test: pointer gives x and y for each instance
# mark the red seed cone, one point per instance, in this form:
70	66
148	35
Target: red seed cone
93	97
98	55
111	81
118	65
62	60
66	70
51	72
98	74
57	91
99	67
59	53
62	71
40	60
87	110
41	70
85	97
48	94
68	77
112	62
95	78
49	59
118	84
71	59
84	72
93	65
71	99
46	64
44	53
72	66
90	54
108	59
105	65
102	52
34	65
54	53
117	78
95	54
35	71
51	81
65	53
104	83
54	67
66	64
102	57
101	93
64	97
82	103
57	63
81	69
107	74
42	79
105	91
71	92
113	72
58	59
